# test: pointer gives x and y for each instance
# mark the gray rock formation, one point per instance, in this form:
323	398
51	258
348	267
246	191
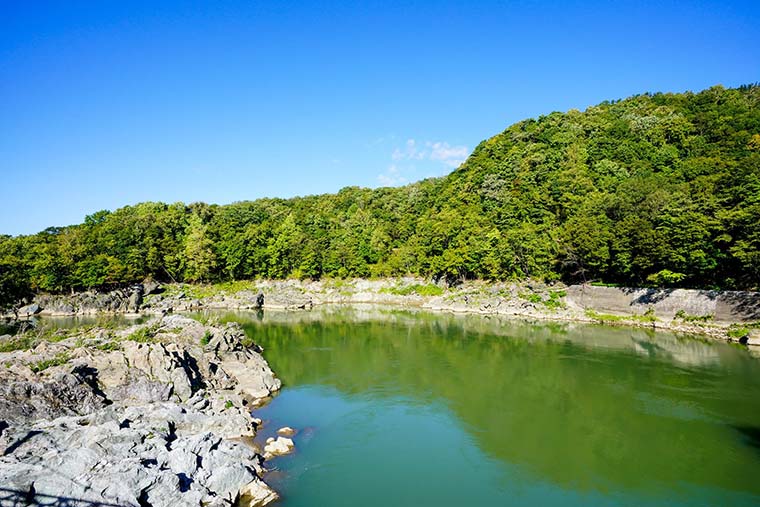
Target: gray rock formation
135	299
157	454
29	310
25	398
150	286
148	423
726	306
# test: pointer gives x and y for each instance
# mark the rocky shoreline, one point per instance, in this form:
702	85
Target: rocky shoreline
159	413
729	316
156	414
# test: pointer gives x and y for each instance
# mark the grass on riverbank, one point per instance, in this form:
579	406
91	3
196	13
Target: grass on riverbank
102	334
200	291
606	318
58	360
552	300
739	331
416	288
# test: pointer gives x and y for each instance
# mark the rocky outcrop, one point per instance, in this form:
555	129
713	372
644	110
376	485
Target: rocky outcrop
720	306
127	300
159	454
29	310
135	299
24	398
116	301
145	419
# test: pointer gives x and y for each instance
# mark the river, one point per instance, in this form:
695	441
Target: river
409	408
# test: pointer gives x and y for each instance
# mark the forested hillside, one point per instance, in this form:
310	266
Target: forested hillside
659	189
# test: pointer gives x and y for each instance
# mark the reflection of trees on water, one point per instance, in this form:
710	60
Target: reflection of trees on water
587	407
661	344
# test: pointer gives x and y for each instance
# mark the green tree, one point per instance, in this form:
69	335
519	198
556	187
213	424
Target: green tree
199	259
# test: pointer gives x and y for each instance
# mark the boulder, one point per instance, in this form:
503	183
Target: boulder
278	447
256	493
150	286
286	431
135	299
29	310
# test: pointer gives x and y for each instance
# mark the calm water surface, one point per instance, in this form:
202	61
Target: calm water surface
409	408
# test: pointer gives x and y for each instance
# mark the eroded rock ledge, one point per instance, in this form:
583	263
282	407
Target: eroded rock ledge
155	415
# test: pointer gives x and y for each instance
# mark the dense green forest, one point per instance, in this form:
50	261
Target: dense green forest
657	189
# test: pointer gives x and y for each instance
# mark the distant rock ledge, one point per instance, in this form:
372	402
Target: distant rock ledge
154	414
729	315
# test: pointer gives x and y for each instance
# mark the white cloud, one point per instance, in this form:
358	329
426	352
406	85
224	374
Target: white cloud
439	151
410	151
452	156
392	177
430	154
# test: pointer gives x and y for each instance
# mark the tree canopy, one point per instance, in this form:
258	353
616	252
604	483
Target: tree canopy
657	189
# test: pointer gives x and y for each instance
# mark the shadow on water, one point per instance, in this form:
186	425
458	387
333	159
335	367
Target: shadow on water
18	498
751	435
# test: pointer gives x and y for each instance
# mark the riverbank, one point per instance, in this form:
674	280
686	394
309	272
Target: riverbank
164	406
149	414
729	316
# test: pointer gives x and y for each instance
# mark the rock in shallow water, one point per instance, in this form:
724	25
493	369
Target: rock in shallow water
286	431
278	447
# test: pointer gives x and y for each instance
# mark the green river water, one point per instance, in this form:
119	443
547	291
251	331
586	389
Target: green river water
403	408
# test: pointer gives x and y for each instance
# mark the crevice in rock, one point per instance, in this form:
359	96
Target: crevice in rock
171	435
143	500
184	482
190	364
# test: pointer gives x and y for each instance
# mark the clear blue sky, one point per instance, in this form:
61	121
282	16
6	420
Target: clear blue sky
107	103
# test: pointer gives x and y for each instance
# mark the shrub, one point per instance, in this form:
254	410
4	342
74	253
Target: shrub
144	334
58	360
680	314
419	289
